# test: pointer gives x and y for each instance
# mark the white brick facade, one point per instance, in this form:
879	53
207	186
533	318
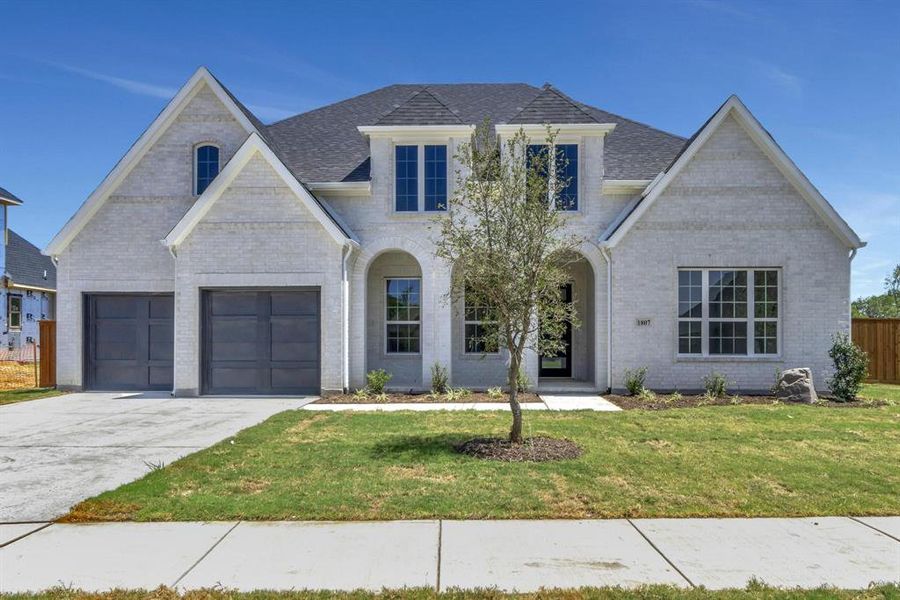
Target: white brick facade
730	207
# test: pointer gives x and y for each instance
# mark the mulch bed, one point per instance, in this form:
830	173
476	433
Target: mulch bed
664	402
394	398
536	449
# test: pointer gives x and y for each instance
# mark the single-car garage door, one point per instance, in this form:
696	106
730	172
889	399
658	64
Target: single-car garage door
128	341
261	341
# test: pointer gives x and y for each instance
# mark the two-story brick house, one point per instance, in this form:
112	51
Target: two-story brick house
222	255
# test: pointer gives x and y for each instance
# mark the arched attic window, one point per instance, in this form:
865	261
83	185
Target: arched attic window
206	166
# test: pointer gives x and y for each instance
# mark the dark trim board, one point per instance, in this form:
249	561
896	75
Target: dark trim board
129	341
260	341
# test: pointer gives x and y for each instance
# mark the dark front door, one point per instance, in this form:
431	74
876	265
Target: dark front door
560	365
261	341
129	341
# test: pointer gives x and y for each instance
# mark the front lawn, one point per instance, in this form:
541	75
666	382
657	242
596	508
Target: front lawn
880	391
13	396
754	460
652	592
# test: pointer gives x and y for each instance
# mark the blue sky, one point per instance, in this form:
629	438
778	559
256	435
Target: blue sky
81	80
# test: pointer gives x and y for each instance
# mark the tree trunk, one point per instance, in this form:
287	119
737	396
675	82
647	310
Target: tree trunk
515	434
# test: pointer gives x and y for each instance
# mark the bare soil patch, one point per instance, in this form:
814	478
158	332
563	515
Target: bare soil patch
395	398
535	449
667	401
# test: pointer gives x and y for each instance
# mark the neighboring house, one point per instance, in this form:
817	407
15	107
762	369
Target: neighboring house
28	285
222	255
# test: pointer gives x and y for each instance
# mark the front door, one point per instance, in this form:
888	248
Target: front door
560	365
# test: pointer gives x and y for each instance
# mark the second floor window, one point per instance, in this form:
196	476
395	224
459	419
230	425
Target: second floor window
566	168
480	322
14	312
206	167
420	172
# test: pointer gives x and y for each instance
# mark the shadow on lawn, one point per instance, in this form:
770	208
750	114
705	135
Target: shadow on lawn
420	446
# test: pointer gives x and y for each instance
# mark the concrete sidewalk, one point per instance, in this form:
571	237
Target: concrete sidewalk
510	555
548	402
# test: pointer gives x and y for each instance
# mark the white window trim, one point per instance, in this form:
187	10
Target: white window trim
387	322
420	175
197	147
465	322
705	319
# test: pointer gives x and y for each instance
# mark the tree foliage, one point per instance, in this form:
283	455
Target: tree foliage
509	246
882	306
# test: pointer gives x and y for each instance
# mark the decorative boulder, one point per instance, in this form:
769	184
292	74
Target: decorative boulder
796	385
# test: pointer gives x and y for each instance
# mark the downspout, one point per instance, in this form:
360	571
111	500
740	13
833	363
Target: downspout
850	287
608	258
174	254
345	320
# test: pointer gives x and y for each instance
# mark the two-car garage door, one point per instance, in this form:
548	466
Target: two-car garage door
252	341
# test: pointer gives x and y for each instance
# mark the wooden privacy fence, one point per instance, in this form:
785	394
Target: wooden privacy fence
48	353
880	339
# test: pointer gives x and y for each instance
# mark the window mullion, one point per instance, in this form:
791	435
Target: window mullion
420	169
751	316
704	311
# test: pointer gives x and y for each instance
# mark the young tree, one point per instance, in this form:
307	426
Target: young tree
505	235
882	306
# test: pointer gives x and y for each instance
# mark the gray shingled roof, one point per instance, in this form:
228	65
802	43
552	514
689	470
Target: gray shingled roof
7	195
324	144
423	108
26	265
552	106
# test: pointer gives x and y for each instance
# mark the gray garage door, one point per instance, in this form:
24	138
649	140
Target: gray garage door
261	341
128	342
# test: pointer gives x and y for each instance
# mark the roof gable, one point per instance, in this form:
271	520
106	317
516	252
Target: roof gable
734	107
423	108
552	106
202	77
253	146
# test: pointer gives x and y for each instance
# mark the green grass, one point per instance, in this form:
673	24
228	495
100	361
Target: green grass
880	391
753	460
13	396
656	592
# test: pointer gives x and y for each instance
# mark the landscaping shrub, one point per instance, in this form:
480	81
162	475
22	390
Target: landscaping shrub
715	384
494	393
361	394
439	379
634	380
646	395
522	382
455	394
851	366
377	380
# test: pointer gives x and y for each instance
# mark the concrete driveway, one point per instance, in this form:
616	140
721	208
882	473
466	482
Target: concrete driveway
58	451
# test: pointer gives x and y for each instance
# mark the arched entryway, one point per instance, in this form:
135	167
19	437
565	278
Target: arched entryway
394	318
576	366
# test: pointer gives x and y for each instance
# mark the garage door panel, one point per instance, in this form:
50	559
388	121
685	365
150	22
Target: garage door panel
233	304
295	303
290	329
115	307
234	378
274	350
289	351
116	339
162	341
161	376
129	341
294	378
162	307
